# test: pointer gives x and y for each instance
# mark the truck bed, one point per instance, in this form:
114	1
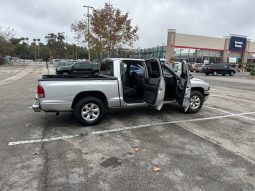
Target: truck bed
76	77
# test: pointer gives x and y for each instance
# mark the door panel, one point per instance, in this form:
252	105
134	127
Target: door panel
184	88
154	84
151	89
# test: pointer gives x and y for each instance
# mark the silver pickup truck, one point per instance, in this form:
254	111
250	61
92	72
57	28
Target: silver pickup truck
121	82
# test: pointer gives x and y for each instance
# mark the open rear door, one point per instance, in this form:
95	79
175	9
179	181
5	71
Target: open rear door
154	84
184	88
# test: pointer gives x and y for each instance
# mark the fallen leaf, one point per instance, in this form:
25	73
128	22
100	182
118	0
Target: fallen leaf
156	169
36	152
28	125
137	149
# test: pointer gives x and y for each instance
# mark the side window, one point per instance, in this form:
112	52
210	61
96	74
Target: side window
153	69
106	67
220	66
166	72
215	66
77	65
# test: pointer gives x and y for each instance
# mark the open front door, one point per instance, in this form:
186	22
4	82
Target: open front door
184	88
154	84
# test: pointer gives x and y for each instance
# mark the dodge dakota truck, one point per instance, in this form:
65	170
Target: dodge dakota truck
121	82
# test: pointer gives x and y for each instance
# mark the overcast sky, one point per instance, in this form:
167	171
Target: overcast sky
37	18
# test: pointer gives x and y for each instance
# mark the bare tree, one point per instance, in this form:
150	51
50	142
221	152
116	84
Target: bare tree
109	28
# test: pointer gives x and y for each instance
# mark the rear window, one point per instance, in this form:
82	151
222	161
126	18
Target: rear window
106	67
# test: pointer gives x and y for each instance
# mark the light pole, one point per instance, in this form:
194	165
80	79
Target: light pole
35	46
38	40
89	7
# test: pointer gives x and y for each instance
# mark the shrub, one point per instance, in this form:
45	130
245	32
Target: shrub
253	72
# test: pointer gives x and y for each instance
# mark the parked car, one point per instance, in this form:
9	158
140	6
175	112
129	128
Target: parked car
197	67
80	67
218	68
119	85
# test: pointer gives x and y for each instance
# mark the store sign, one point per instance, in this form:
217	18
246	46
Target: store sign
237	44
232	60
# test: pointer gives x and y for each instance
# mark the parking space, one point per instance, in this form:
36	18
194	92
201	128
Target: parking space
6	72
210	150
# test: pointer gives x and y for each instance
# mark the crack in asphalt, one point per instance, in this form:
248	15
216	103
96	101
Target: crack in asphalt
43	179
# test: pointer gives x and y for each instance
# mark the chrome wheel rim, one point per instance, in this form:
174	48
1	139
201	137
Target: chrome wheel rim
215	73
194	102
90	112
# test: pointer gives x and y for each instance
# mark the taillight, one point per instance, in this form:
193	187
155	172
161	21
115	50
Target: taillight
40	92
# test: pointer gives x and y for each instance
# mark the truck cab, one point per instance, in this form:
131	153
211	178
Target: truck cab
152	83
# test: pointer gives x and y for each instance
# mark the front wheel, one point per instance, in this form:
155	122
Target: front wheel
232	73
215	73
89	110
196	102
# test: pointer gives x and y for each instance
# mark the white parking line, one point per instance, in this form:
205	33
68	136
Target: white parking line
227	112
124	129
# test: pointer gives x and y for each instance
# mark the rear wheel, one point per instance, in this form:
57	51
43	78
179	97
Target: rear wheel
196	101
215	73
207	74
232	73
89	110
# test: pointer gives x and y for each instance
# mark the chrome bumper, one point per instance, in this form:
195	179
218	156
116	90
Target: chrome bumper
36	105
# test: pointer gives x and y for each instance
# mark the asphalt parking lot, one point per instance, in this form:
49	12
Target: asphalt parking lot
211	150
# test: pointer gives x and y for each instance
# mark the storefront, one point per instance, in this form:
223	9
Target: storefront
230	49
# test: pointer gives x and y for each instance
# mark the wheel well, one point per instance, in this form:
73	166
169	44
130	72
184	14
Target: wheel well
201	90
96	94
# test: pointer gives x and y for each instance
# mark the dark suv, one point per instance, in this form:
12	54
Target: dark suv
80	67
218	68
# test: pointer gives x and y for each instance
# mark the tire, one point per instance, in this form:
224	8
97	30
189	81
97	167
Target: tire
223	74
215	73
196	101
93	109
232	73
207	74
65	73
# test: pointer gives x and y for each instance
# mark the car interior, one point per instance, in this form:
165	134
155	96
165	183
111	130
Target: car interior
171	83
132	77
137	89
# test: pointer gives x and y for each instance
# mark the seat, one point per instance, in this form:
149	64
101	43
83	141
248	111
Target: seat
127	90
137	83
